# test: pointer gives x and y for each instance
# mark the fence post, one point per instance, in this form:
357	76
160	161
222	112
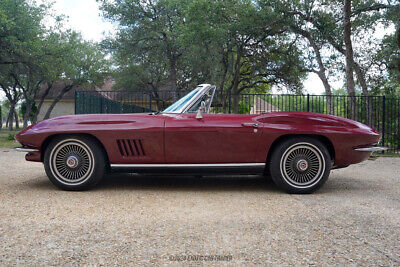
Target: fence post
383	120
75	102
308	102
229	102
101	105
150	95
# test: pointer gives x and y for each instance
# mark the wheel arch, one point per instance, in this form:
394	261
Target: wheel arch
48	139
325	140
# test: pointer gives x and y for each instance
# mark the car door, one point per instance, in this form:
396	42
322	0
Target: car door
215	138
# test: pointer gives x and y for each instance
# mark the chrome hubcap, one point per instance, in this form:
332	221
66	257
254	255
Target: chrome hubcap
302	165
72	162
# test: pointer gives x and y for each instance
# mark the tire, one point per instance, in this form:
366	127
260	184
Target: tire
74	163
300	165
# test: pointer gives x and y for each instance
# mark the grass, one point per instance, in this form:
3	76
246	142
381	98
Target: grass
389	154
7	139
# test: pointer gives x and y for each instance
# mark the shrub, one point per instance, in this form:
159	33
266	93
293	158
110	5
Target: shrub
10	137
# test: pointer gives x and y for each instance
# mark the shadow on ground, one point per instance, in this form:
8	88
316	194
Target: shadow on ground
254	183
186	183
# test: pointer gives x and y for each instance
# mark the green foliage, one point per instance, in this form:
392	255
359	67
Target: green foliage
32	112
10	136
185	43
32	54
244	108
3	108
6	141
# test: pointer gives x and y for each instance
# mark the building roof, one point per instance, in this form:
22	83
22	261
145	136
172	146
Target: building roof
58	87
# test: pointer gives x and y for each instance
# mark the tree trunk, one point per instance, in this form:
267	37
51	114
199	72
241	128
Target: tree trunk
224	62
10	118
235	82
1	119
42	98
16	120
349	58
364	87
173	78
322	71
398	46
28	109
328	91
56	100
235	101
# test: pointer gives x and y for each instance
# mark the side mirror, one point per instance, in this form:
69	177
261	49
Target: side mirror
200	110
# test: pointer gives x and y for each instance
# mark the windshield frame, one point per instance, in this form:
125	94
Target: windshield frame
186	106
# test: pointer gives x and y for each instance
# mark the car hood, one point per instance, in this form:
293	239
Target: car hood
88	119
79	123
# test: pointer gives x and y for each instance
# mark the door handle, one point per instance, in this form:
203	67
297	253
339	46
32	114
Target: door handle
250	124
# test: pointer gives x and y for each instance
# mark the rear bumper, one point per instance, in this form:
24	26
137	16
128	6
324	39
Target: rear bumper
371	149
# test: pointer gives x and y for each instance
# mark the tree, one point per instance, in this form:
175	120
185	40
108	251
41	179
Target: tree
314	47
33	56
184	43
363	20
349	57
388	56
149	31
20	25
13	96
83	64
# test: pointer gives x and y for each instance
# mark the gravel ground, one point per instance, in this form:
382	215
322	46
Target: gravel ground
130	219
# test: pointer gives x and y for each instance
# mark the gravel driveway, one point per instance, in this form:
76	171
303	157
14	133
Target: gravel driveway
128	219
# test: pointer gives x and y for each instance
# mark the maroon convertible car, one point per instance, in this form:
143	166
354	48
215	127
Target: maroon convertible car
296	149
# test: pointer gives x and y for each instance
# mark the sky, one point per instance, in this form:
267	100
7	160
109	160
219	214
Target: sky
85	16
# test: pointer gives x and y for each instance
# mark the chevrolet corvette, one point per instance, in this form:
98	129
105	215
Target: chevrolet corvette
296	149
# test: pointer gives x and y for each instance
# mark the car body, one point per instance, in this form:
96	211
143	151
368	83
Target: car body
185	138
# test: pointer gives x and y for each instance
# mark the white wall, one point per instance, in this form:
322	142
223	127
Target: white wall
63	107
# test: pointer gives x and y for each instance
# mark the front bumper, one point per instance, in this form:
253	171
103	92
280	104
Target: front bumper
25	149
371	149
32	154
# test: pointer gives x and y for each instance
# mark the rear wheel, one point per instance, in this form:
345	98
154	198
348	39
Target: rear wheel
300	165
74	162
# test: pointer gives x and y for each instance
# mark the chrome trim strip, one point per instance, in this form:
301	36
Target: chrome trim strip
25	149
186	165
371	149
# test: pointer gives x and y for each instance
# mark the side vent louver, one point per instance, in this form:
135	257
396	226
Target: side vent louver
131	147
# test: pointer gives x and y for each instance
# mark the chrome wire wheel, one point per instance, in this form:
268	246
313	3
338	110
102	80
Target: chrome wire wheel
302	165
71	162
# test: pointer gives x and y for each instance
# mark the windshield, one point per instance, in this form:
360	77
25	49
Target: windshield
206	98
181	102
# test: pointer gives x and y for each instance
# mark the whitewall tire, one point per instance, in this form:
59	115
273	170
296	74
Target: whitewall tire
300	165
74	162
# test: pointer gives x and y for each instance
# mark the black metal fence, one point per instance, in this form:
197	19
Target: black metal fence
380	112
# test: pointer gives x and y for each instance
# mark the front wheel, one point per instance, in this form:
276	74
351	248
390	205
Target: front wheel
74	162
300	165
